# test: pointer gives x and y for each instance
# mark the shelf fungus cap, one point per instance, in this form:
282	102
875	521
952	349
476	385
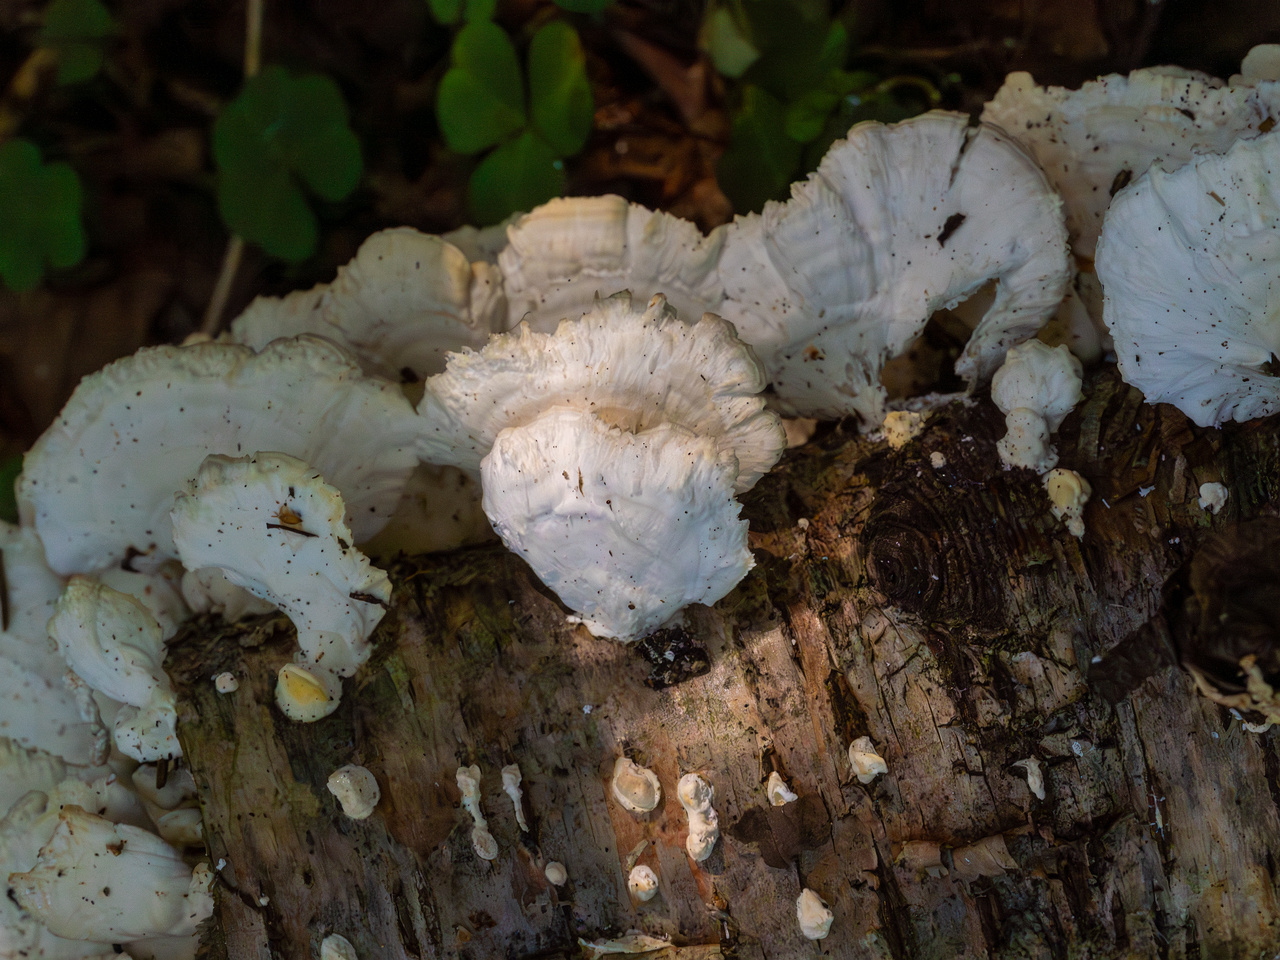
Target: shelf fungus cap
563	254
113	643
867	764
1093	141
102	881
356	790
634	369
695	794
1189	261
642	883
635	787
778	792
100	481
275	528
813	915
626	528
898	222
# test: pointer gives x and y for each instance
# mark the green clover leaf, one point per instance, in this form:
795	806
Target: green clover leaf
481	99
519	175
559	92
282	129
761	160
41	222
79	30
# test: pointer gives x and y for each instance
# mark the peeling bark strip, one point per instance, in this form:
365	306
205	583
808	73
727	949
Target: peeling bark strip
941	612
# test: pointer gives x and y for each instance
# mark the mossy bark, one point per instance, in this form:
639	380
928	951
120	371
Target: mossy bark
941	611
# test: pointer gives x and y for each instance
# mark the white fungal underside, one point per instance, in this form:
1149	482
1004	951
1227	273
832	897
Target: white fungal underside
626	528
1190	262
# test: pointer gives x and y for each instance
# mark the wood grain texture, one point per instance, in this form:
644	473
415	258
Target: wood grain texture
942	612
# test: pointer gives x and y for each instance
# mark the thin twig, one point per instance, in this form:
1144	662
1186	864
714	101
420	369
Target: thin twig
212	322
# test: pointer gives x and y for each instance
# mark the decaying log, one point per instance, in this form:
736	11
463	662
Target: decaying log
941	611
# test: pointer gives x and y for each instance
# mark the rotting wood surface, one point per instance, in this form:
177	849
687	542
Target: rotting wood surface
941	611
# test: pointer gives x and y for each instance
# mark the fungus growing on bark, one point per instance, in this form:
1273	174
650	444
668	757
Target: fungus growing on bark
1188	260
897	222
101	480
337	947
114	644
556	874
511	787
70	888
778	792
565	253
866	763
642	883
1213	496
1035	388
610	454
695	795
356	790
275	528
1035	776
1068	493
634	786
1093	141
482	841
813	915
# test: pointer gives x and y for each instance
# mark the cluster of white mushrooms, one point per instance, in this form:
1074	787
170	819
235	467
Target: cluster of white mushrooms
587	382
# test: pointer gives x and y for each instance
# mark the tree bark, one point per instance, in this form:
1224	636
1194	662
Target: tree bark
941	611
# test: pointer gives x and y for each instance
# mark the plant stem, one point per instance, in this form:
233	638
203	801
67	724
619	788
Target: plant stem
253	15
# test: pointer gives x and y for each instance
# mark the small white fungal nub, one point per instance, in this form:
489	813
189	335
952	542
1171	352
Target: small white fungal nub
1068	493
778	792
1213	497
511	784
337	947
643	883
482	841
226	683
556	873
356	789
867	764
696	795
634	786
813	915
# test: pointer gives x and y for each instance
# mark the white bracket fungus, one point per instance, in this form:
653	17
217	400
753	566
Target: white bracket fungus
405	300
556	874
1213	496
98	880
610	454
1188	261
482	841
1093	141
898	222
511	786
778	792
635	787
101	479
1068	493
866	763
1035	776
1035	388
813	915
275	527
209	591
356	789
563	254
695	795
114	644
642	883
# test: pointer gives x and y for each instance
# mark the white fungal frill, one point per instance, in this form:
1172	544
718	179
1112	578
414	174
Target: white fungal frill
405	300
565	253
482	841
633	369
898	222
511	779
778	792
866	763
626	528
275	527
813	915
642	883
114	644
101	479
1035	388
635	787
1189	262
98	880
695	795
610	453
1213	496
